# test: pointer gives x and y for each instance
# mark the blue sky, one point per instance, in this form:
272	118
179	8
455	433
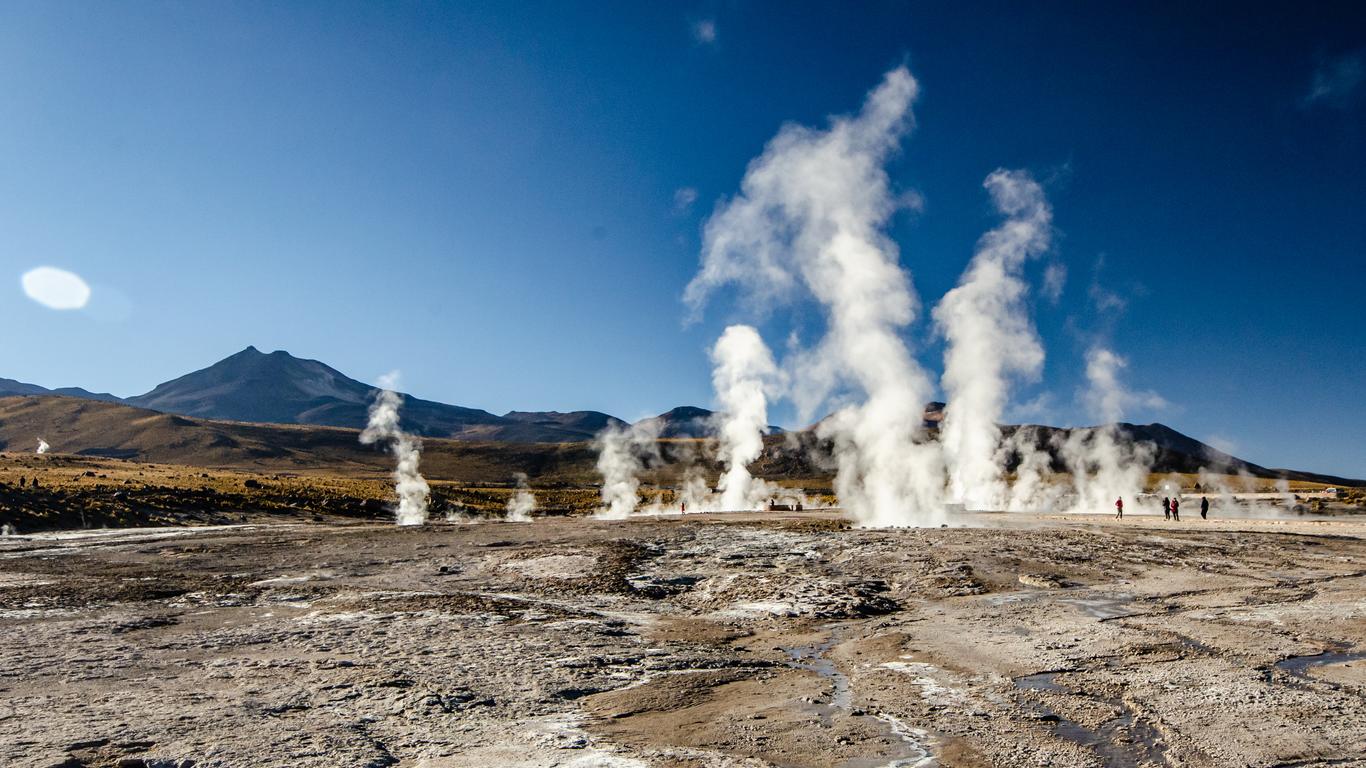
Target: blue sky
487	196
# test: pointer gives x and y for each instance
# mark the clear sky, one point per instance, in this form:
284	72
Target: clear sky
504	200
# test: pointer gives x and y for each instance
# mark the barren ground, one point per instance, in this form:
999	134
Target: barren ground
700	641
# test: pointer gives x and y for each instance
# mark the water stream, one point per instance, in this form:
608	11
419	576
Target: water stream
912	752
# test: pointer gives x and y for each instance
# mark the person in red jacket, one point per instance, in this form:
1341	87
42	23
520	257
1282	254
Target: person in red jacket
1119	508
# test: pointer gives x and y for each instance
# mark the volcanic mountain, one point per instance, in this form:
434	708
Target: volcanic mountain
278	388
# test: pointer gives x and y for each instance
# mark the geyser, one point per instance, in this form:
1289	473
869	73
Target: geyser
812	214
412	489
990	340
1104	466
622	451
43	447
743	373
522	502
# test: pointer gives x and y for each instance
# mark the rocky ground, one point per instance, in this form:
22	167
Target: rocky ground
697	641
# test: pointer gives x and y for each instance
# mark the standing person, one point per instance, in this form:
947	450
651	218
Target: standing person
1119	508
1166	508
1176	508
1204	508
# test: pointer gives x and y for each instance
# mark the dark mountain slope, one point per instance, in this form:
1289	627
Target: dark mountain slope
278	388
12	387
586	424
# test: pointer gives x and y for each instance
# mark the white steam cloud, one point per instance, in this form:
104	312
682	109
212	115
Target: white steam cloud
743	370
1104	465
1031	490
522	502
43	447
812	213
622	452
695	494
991	340
412	489
810	221
1105	396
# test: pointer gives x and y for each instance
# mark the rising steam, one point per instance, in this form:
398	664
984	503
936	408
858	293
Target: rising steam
811	214
43	447
383	425
991	340
522	502
622	452
1104	466
743	371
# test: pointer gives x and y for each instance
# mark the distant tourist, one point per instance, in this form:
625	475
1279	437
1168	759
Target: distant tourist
1176	508
1166	508
1119	508
1204	508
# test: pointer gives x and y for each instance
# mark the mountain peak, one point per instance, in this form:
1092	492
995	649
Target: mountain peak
684	421
251	386
279	388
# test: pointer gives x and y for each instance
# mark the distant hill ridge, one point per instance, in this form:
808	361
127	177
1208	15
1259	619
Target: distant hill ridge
12	387
278	388
114	430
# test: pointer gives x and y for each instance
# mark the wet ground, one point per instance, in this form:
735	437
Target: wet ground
701	641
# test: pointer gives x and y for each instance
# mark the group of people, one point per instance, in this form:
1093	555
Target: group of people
1171	508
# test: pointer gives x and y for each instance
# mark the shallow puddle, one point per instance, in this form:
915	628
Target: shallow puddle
1299	666
1043	681
1125	741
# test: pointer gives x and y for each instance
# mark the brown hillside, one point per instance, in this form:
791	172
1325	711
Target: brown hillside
91	428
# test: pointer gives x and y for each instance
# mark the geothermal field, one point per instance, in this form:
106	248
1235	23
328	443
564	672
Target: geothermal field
267	563
172	615
700	640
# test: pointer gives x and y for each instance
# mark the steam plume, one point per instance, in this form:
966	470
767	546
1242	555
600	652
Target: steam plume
1283	488
1031	491
694	495
1247	496
991	339
744	368
1104	466
43	447
409	484
622	451
811	214
522	503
